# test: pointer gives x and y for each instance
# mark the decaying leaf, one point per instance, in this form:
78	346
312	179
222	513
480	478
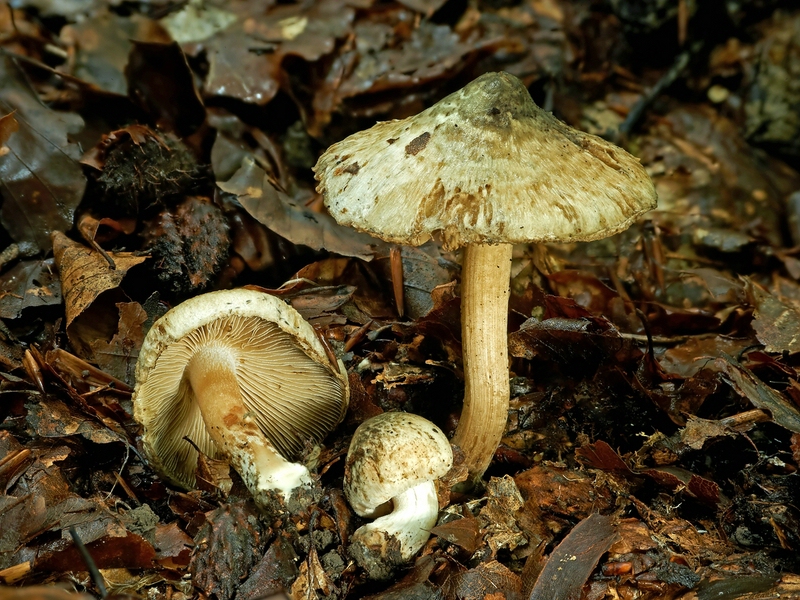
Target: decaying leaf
574	559
85	277
776	322
278	212
41	181
783	412
118	356
28	284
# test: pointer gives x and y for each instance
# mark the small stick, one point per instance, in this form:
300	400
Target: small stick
357	336
87	558
638	110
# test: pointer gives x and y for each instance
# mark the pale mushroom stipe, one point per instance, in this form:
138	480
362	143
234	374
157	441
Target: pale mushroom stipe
391	470
485	168
241	374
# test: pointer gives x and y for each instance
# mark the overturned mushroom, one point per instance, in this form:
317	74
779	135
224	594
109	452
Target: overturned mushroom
392	465
242	375
486	168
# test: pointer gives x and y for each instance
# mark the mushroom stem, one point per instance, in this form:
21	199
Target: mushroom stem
212	376
484	323
394	538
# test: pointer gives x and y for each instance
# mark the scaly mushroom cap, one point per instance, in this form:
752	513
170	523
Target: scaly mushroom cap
390	454
285	378
483	165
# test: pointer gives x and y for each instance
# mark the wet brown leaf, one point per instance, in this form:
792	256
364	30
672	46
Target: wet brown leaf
776	322
274	573
51	418
101	44
574	559
28	284
561	491
463	532
41	181
277	211
173	546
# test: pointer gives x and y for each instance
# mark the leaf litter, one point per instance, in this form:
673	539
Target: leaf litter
653	438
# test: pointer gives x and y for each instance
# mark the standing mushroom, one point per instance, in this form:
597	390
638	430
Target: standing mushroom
392	465
242	375
486	168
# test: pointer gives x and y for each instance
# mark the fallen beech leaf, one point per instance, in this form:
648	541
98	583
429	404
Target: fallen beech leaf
776	323
41	181
574	559
701	488
8	125
85	276
561	491
116	549
173	546
295	222
51	418
602	456
461	532
102	43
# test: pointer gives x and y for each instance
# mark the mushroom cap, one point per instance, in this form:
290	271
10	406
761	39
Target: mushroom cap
483	165
286	380
390	454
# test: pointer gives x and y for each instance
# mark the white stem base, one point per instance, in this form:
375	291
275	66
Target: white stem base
394	539
212	375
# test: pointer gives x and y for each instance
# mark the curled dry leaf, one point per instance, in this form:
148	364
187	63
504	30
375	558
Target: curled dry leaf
85	276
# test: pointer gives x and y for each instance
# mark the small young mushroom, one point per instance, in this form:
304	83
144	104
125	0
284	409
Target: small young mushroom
486	168
241	374
392	465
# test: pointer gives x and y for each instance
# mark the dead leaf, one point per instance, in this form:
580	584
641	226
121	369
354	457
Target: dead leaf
783	412
227	549
462	532
41	181
101	44
118	356
574	559
777	323
85	277
28	284
278	212
484	581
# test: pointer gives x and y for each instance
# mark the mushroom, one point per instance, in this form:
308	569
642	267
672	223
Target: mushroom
485	168
241	374
392	465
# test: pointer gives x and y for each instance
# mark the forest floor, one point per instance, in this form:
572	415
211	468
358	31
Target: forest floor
153	151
